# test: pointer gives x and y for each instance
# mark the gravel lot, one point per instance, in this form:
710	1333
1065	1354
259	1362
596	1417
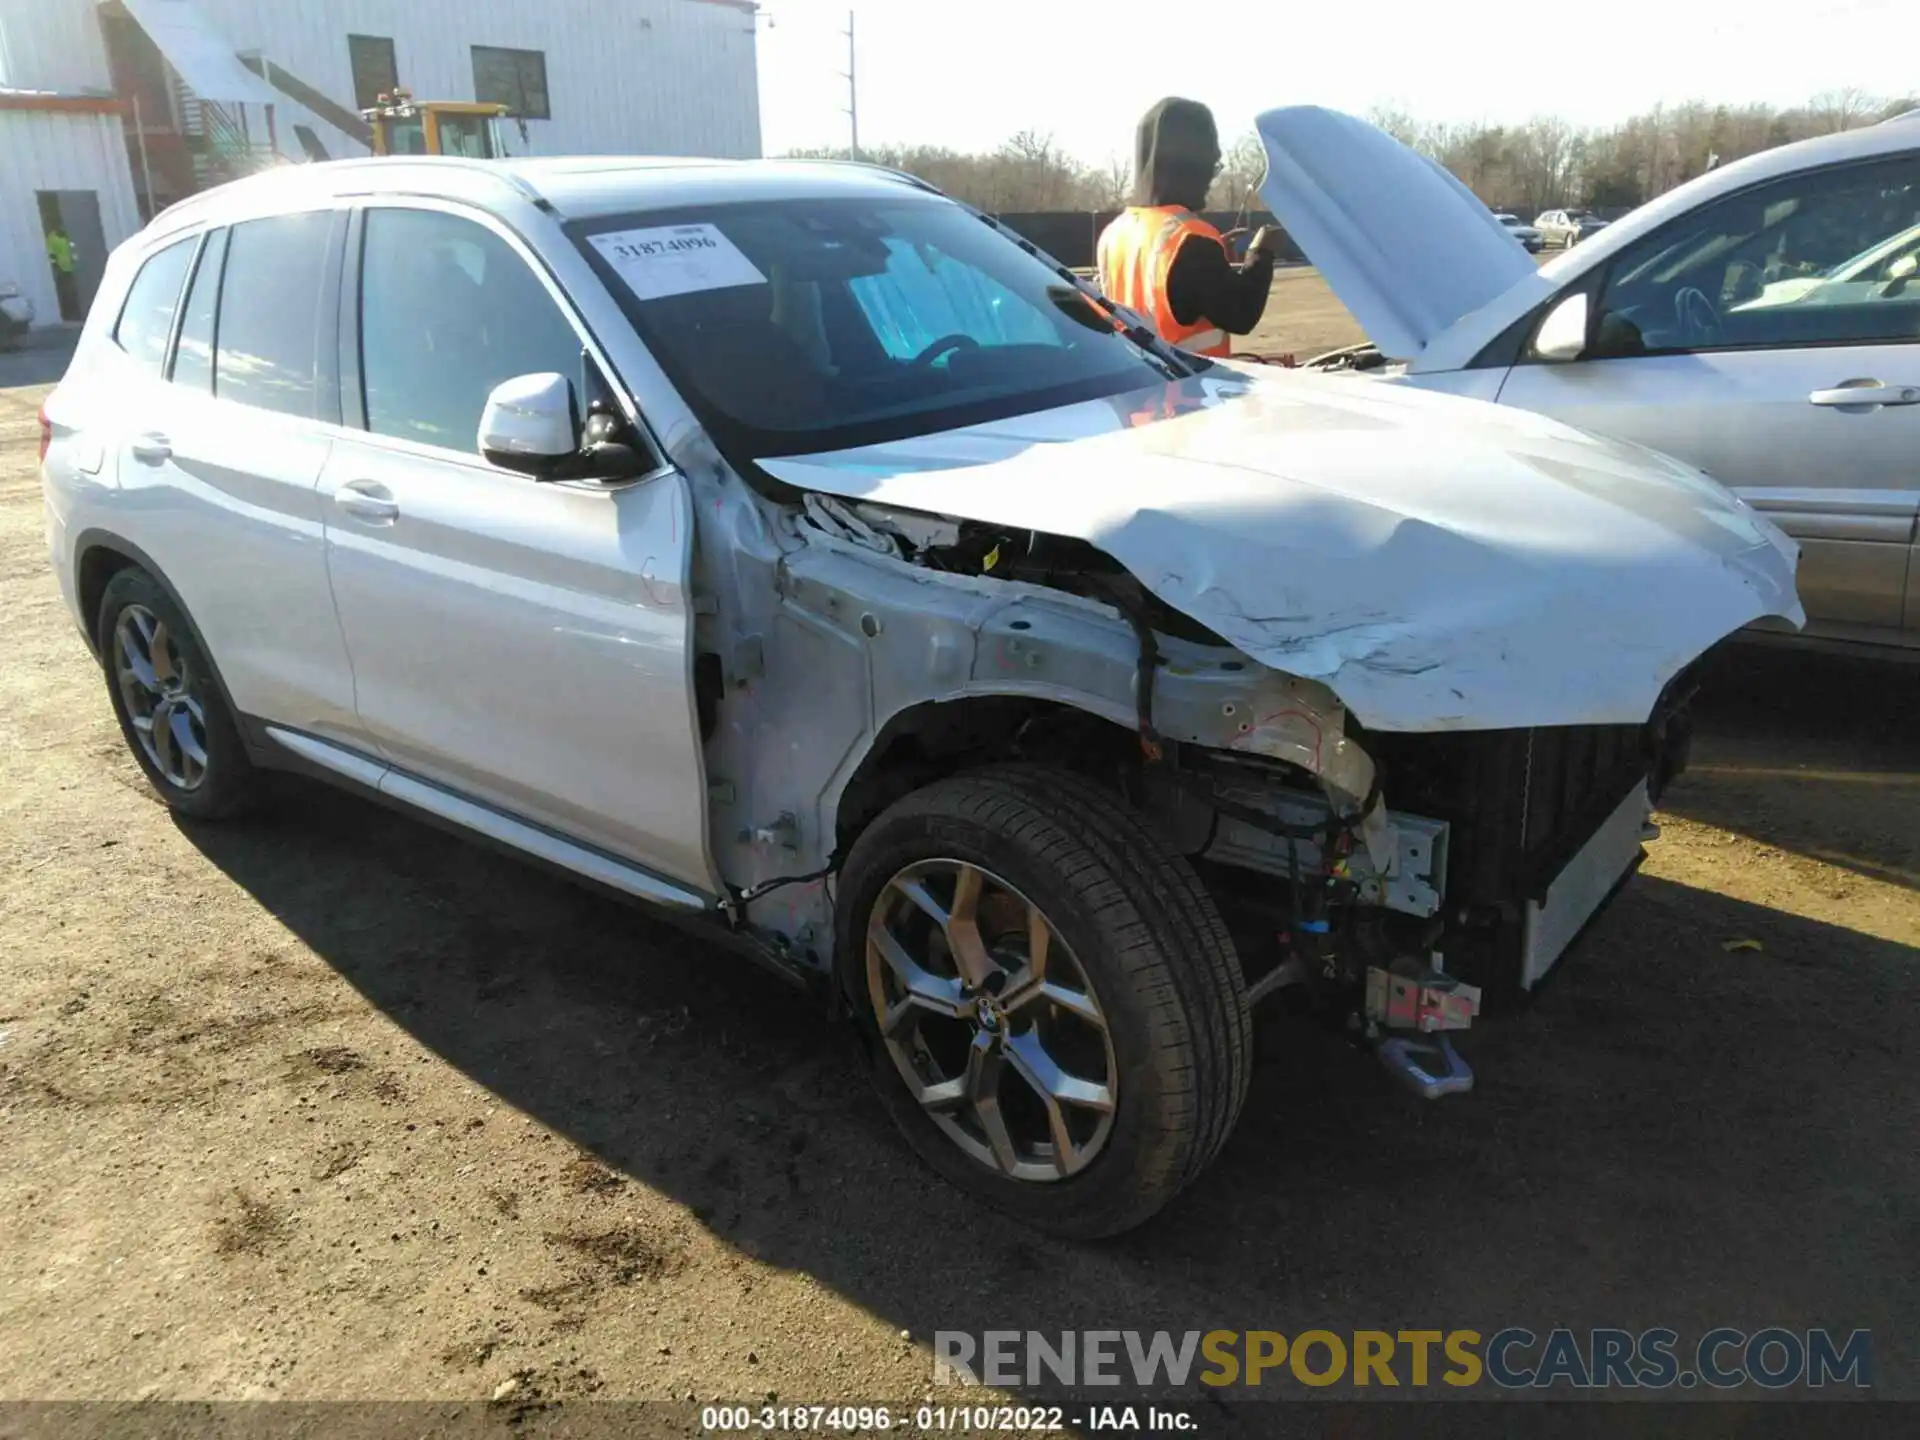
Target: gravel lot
330	1105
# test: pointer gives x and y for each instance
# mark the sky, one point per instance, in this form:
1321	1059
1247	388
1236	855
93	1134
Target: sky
970	73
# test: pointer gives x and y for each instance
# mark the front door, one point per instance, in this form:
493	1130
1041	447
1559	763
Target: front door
1773	339
524	644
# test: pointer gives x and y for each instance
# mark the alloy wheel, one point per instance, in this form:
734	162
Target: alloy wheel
991	1020
158	687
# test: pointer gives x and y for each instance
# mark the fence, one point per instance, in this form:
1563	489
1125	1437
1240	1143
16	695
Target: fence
1073	236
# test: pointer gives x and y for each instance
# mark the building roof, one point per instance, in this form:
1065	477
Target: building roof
203	58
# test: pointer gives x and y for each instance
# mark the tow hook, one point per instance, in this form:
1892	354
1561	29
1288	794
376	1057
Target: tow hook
1427	1003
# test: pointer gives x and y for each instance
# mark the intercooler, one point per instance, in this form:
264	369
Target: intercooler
1543	825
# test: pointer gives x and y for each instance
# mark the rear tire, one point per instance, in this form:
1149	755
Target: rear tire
1132	944
170	705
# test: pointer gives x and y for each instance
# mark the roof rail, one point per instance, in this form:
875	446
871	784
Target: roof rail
340	174
388	164
903	175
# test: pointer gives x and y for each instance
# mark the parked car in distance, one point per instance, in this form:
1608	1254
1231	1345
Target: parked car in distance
1761	321
785	545
16	314
1530	239
1567	228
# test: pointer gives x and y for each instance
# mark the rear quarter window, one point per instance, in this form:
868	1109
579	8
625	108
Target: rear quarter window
146	320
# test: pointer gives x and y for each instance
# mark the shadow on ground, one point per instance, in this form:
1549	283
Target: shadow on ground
1671	1136
1813	753
38	358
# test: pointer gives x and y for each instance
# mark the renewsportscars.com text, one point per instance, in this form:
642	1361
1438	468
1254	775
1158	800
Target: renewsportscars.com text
1514	1358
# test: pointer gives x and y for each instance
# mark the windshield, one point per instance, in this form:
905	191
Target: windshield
805	325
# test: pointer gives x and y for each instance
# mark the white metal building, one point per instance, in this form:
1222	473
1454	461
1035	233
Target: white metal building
110	109
61	156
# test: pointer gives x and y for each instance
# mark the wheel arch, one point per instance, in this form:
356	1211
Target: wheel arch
932	739
99	555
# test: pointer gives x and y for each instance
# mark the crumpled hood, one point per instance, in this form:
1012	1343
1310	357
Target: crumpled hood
1403	244
1440	563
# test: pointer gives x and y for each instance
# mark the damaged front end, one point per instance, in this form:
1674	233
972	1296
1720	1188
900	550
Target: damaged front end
1492	851
1383	880
1404	674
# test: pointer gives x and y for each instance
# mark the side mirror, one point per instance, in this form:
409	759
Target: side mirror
1563	334
1900	274
529	425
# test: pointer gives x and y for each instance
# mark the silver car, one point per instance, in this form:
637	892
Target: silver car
1567	228
1531	240
1759	321
790	547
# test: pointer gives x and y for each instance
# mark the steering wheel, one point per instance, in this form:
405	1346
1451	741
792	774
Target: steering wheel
1699	318
946	344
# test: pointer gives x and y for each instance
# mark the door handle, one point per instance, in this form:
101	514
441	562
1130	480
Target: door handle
366	500
1864	395
152	448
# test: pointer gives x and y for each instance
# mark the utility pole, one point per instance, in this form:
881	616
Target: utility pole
853	89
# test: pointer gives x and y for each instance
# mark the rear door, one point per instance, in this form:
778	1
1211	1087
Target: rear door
1740	337
222	445
524	644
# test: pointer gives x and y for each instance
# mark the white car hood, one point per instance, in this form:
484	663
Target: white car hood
1441	564
1406	247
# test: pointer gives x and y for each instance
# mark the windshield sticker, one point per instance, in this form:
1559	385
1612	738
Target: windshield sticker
676	260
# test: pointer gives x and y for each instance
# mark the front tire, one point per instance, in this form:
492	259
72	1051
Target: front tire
1058	1020
170	706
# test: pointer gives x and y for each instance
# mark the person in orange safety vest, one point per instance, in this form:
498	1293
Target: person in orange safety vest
1161	260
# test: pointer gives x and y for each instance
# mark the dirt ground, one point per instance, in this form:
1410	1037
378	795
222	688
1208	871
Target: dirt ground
330	1105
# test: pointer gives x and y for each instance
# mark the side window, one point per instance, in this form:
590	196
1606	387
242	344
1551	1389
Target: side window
193	354
1812	259
923	296
146	321
270	300
449	310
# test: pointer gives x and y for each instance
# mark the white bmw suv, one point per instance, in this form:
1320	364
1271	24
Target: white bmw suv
789	546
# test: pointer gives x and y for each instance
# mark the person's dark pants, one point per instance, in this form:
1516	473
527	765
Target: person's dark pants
68	292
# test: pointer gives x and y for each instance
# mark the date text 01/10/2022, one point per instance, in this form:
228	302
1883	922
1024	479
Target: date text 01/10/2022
942	1419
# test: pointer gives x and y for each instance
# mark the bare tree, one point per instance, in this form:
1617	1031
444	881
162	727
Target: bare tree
1843	109
1399	124
1241	171
1542	165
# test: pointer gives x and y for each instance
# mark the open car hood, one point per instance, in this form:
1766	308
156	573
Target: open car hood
1406	247
1441	564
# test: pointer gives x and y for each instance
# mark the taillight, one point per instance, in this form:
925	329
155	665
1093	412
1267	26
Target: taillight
46	434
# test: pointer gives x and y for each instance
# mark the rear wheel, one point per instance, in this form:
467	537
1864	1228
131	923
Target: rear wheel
1059	1022
169	705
